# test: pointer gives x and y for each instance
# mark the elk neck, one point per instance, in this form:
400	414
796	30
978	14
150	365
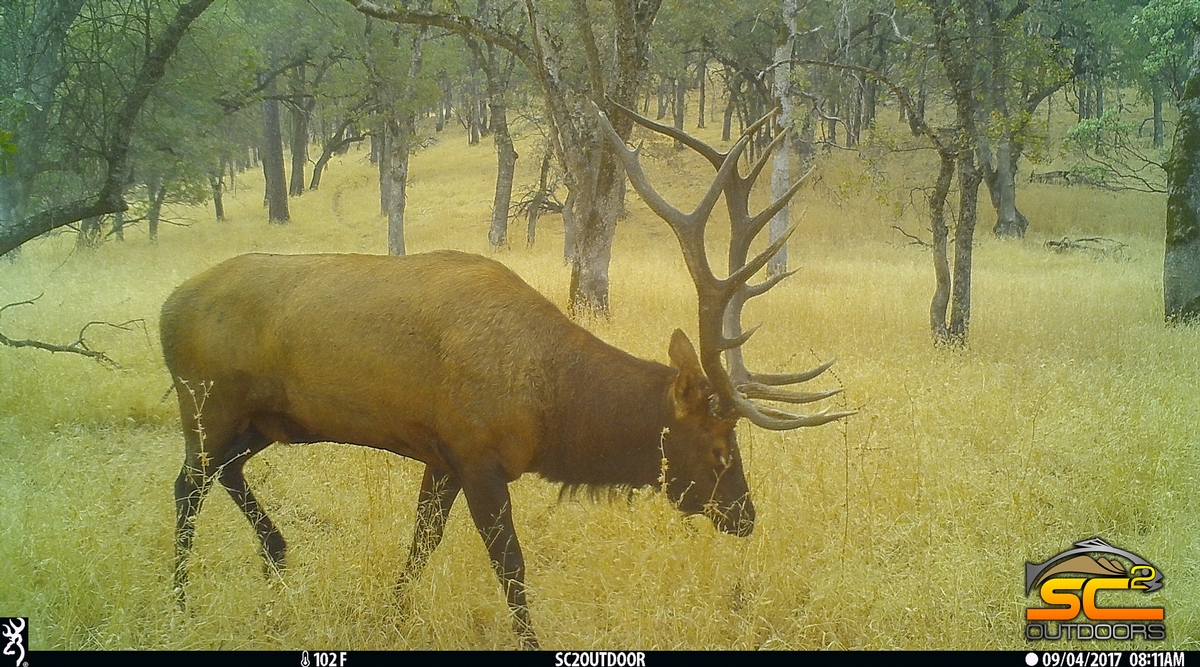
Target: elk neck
604	429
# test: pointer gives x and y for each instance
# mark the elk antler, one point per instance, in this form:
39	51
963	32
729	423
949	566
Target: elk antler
721	300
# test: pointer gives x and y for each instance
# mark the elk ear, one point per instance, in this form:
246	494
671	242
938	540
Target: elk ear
691	390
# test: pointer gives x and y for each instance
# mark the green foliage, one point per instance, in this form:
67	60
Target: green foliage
15	108
1167	30
1109	152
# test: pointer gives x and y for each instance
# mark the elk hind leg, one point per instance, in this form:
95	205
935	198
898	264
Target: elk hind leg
203	447
439	490
244	445
193	483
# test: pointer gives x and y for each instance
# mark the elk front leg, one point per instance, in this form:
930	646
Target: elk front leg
491	509
438	493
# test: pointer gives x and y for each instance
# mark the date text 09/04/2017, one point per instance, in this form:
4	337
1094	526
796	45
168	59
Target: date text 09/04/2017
1107	659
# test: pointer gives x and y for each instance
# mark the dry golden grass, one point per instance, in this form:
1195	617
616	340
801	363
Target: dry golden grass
1073	413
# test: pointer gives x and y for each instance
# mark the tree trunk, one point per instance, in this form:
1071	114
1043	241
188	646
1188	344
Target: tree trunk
999	172
922	95
781	173
831	124
485	126
961	72
383	160
218	195
272	160
1085	97
472	104
118	226
1181	265
854	124
1009	220
399	133
662	98
702	83
158	195
595	222
89	237
941	262
1157	94
570	228
727	121
964	241
679	106
506	161
539	197
299	134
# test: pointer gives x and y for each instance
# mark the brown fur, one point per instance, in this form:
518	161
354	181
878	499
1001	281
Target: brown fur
447	358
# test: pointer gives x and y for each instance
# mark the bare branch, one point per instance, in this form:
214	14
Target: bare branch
80	345
912	238
459	24
108	199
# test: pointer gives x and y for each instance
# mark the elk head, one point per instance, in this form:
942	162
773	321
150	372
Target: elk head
704	470
728	388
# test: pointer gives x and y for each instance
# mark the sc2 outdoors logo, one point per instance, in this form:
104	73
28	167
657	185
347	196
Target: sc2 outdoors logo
1060	585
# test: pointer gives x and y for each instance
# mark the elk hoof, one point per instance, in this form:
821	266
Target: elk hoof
276	549
273	565
529	643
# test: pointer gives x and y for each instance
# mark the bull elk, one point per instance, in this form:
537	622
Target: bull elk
452	360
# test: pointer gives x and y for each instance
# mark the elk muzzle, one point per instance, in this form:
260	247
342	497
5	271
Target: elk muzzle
736	518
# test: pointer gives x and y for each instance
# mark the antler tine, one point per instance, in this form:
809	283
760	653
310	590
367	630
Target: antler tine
779	379
766	156
757	222
769	393
781	420
673	216
708	152
762	288
757	125
739	277
737	341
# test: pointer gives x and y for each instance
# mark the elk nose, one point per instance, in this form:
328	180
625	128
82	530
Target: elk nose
737	519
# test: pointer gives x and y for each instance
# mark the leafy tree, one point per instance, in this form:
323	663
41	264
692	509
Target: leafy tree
73	133
1181	266
1162	40
564	55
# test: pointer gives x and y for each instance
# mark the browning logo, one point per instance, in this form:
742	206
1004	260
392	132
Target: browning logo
1070	582
16	631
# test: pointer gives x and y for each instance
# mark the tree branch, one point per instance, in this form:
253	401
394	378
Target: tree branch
460	24
109	198
80	345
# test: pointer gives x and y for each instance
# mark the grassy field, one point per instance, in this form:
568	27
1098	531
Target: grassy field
1072	414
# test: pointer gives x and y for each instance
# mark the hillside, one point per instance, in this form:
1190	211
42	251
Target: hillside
1071	414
